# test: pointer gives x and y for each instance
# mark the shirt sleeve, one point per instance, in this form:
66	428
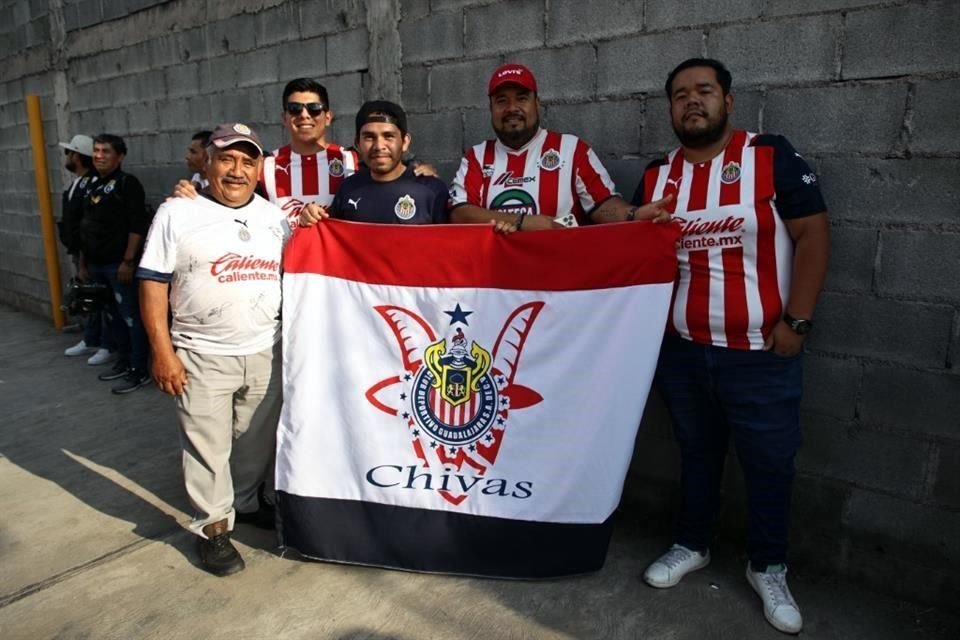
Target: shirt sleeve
468	183
441	210
640	194
593	183
794	182
336	207
159	258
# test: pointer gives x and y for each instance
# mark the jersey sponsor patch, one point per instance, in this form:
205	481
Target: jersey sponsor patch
515	201
405	208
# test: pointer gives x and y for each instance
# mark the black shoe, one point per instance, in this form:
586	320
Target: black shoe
134	379
217	553
263	518
119	370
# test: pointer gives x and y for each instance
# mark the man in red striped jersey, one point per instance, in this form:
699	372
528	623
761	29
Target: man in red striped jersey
530	178
309	169
752	260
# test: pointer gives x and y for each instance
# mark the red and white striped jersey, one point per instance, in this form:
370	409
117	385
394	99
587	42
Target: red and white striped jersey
555	174
735	254
290	180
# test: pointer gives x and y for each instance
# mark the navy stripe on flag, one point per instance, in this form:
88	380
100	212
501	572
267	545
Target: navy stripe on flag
383	535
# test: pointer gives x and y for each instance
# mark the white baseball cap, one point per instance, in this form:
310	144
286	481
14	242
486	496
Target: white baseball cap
80	144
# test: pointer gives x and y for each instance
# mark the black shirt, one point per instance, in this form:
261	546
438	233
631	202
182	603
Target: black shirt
410	199
112	209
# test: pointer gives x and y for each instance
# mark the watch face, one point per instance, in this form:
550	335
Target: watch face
801	327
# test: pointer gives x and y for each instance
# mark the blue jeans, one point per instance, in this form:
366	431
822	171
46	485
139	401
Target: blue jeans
711	393
124	316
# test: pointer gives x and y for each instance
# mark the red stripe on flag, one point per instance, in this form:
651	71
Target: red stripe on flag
549	180
767	279
735	312
698	189
470	255
698	297
335	152
730	192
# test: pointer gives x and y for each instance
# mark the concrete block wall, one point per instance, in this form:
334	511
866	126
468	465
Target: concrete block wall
863	88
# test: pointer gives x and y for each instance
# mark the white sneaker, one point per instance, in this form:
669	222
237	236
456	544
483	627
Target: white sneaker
668	569
779	607
79	349
102	356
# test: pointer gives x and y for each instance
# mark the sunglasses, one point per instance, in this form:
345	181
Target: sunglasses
313	108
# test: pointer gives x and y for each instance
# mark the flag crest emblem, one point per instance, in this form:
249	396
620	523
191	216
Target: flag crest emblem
455	401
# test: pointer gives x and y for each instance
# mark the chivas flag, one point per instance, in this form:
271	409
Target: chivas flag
460	401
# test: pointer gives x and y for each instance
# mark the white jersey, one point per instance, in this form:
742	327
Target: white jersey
224	268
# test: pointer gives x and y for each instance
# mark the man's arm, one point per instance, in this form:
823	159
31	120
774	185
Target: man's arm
504	222
129	264
167	370
616	209
811	237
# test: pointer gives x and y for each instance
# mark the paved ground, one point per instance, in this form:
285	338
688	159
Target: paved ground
92	546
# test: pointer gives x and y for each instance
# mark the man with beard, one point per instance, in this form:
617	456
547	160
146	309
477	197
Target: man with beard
530	178
752	260
385	190
218	257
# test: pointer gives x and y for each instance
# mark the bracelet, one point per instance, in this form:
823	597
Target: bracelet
520	220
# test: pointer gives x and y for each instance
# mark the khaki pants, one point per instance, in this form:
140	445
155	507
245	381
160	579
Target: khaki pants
228	430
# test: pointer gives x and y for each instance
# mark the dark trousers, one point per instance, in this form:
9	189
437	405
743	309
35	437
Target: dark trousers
124	315
713	393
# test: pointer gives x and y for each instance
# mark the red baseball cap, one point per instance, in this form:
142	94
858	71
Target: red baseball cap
512	73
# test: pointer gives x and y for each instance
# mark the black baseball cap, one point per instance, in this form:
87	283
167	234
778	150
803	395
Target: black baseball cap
388	112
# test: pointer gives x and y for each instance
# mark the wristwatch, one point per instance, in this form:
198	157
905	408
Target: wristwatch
632	214
799	327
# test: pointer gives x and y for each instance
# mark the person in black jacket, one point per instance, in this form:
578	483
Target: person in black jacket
78	160
114	223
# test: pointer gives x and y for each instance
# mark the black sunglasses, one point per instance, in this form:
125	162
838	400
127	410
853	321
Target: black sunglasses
313	108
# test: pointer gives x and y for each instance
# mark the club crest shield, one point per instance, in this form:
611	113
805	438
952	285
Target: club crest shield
406	207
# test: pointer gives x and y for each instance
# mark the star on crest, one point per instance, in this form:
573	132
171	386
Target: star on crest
458	315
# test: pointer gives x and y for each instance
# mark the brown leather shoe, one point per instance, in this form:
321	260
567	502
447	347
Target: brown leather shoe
217	553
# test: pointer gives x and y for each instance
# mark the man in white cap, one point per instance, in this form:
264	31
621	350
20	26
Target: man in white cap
217	258
78	160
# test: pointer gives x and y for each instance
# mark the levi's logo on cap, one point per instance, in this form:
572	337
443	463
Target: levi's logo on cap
512	74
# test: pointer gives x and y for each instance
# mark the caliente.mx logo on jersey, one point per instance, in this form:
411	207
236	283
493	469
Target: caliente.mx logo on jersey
454	397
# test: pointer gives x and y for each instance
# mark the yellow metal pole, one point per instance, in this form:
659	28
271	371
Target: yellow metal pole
46	208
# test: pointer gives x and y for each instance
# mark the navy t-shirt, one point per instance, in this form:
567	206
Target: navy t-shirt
409	199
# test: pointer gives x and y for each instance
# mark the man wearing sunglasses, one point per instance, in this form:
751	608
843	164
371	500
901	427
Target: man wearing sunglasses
308	169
